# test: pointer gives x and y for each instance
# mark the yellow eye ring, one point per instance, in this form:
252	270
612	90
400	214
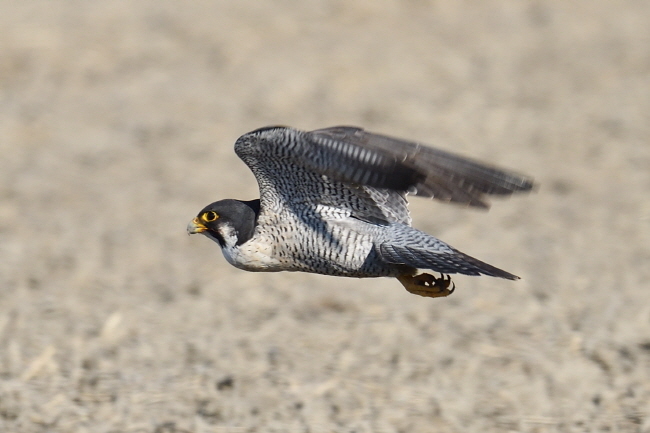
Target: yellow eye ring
208	217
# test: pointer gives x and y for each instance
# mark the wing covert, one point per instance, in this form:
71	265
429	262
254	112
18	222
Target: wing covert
291	168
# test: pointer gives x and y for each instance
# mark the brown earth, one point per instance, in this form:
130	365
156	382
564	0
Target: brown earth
117	123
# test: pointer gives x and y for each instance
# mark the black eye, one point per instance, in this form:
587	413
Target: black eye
209	216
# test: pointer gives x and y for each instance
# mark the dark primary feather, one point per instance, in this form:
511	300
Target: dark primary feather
354	155
453	262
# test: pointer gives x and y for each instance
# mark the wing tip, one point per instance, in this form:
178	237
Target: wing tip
523	183
507	276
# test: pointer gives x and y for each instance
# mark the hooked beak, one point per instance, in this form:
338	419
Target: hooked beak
195	226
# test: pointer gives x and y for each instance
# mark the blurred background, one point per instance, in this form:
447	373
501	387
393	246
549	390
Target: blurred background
117	121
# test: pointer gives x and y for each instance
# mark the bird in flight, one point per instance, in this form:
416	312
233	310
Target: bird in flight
333	201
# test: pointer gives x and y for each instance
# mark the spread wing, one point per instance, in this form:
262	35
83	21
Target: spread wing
368	174
385	162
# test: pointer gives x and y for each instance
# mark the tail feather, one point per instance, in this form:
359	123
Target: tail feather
444	260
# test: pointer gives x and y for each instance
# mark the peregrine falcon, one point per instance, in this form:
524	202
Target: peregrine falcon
333	201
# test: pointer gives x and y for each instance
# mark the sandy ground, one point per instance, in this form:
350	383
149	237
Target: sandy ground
117	121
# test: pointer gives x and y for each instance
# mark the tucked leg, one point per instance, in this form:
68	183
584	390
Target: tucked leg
427	285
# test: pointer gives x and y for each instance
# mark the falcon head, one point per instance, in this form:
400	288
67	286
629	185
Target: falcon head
227	222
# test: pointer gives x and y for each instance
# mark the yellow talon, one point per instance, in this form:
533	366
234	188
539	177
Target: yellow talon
427	285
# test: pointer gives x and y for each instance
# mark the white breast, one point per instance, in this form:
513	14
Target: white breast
254	255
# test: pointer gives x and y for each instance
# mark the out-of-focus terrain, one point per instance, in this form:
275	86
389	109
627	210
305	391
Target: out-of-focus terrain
117	121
